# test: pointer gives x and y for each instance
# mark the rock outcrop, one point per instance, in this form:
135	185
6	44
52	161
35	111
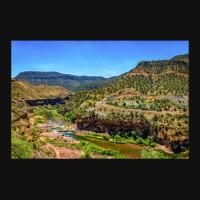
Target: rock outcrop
141	128
41	102
112	126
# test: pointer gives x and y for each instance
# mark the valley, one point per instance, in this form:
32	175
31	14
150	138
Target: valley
143	114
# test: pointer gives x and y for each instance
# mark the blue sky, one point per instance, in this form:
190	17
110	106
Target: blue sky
92	58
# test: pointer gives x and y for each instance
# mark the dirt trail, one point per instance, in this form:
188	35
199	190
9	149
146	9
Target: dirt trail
63	152
102	103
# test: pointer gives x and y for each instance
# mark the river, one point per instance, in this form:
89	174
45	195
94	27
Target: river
131	150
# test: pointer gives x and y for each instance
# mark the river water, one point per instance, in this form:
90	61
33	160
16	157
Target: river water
131	150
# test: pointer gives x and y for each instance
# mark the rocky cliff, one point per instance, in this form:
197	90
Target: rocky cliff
41	102
141	128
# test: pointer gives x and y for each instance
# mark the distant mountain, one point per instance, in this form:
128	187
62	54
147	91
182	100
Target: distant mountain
67	81
98	83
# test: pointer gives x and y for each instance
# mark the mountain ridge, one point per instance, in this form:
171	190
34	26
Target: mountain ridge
177	64
67	81
98	83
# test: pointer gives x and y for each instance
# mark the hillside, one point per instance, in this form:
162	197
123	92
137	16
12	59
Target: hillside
157	80
177	64
184	57
66	81
22	91
98	83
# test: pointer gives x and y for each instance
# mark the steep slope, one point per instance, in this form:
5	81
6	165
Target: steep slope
55	79
98	83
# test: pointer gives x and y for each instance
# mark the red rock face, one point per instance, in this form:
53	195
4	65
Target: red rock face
112	126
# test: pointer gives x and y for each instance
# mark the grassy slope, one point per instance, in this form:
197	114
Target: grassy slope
21	91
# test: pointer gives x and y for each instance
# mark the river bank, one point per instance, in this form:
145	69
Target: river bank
83	132
75	135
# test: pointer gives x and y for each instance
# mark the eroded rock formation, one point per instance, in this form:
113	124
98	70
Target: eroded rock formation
41	102
141	128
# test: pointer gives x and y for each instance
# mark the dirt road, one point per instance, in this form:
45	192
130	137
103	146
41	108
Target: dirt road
102	103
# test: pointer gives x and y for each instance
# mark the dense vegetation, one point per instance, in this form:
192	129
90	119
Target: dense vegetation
52	111
161	104
170	84
20	147
125	137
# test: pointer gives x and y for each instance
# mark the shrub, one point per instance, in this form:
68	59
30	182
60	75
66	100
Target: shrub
117	137
153	144
150	139
70	116
155	118
37	129
85	154
96	134
140	141
179	124
106	137
134	135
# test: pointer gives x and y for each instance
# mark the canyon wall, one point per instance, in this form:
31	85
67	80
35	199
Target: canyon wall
141	128
41	102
